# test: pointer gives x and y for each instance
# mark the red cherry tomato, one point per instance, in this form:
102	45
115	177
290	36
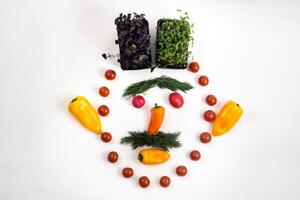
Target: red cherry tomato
181	170
209	115
144	181
203	80
164	181
211	100
176	100
104	91
112	157
205	137
195	155
110	74
103	110
127	172
106	137
138	101
194	67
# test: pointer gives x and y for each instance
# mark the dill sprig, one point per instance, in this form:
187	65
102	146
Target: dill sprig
161	82
161	140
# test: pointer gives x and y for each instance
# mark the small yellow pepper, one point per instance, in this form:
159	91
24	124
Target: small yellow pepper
156	119
84	112
153	156
227	118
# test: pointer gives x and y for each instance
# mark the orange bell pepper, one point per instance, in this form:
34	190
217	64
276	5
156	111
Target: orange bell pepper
157	118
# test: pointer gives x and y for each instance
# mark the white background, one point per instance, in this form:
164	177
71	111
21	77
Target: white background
50	52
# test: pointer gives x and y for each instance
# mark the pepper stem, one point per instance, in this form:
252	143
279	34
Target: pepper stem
73	100
140	157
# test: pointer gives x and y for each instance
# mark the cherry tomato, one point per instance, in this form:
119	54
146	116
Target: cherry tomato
144	181
195	155
176	100
211	100
110	74
203	80
112	157
205	137
209	115
138	101
127	172
103	110
106	137
104	91
194	67
164	181
181	170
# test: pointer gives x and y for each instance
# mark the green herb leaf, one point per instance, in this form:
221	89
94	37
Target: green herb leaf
161	82
161	140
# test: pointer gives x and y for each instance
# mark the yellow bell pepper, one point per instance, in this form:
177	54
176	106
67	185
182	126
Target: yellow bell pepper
227	118
84	112
153	156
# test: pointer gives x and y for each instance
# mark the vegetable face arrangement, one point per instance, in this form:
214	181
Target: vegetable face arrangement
152	145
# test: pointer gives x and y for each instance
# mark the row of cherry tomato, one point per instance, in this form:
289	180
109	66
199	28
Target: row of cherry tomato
211	100
103	110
